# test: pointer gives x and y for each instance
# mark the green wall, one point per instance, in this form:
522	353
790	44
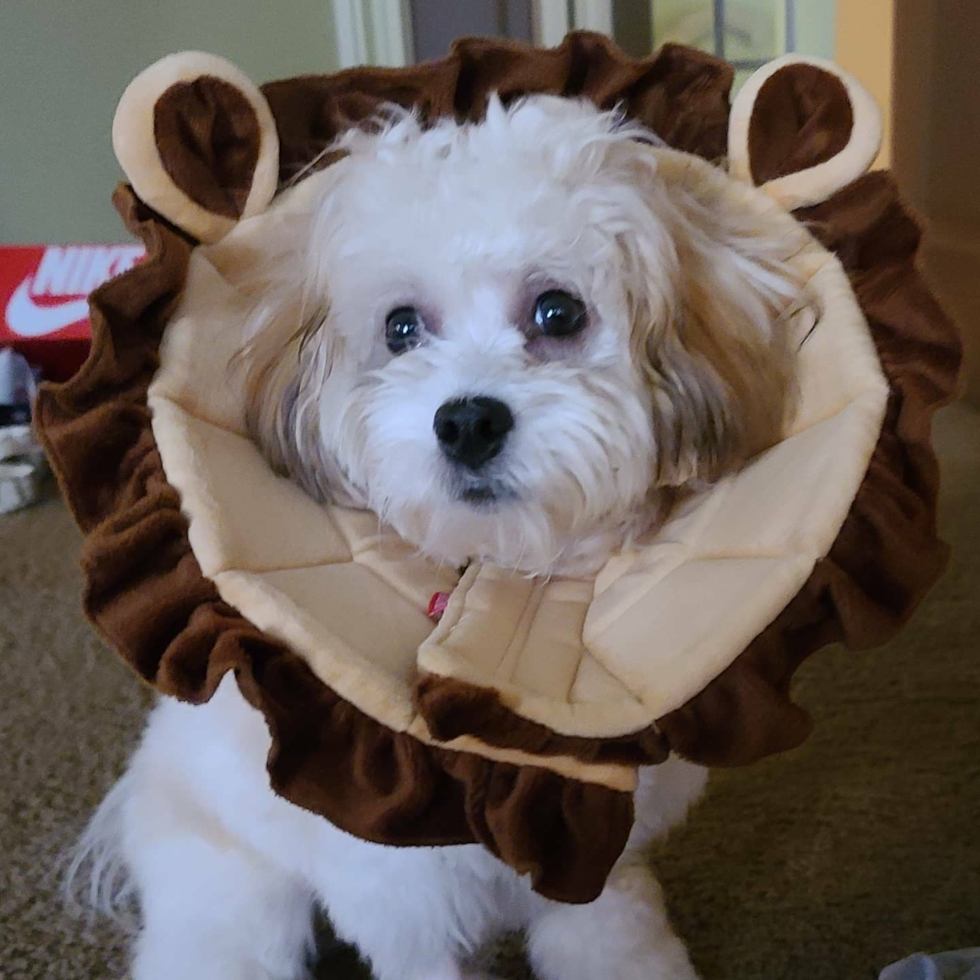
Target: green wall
63	65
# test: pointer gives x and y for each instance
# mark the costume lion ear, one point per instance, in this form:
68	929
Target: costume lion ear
196	139
801	129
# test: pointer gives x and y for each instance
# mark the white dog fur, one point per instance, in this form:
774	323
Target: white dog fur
678	371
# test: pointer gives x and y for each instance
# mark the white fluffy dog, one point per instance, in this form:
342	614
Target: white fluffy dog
516	342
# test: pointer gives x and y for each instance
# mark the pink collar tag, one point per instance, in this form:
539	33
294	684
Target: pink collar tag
437	605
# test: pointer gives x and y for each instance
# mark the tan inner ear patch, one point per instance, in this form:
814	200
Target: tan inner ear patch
802	118
208	137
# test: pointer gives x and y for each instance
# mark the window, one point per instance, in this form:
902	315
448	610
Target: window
746	32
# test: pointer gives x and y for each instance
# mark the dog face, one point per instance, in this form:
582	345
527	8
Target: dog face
507	338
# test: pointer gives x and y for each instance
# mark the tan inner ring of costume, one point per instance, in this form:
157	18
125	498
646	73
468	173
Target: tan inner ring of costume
596	658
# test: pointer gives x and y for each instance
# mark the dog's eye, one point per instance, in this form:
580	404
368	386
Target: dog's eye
403	329
559	314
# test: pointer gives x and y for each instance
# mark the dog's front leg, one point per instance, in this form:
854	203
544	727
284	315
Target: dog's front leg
212	909
623	935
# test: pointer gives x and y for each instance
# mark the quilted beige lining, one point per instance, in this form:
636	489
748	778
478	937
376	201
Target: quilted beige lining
593	658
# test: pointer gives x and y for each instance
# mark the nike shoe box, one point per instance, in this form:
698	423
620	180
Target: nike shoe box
43	299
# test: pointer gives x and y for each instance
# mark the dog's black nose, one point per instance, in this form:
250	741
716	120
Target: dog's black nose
471	431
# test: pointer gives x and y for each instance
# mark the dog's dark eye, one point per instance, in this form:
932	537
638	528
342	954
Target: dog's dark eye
559	314
403	329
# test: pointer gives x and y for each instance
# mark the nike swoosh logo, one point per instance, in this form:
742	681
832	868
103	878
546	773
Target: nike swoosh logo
26	319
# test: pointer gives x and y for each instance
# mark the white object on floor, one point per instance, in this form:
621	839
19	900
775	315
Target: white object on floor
22	462
22	468
961	964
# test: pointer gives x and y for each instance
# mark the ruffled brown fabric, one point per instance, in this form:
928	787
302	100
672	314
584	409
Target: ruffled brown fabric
146	593
679	93
452	708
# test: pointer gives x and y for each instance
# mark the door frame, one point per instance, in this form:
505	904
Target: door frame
553	19
373	32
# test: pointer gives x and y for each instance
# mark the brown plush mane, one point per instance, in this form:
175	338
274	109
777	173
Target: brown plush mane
146	593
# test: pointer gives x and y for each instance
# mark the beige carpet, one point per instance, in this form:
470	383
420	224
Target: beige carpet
824	864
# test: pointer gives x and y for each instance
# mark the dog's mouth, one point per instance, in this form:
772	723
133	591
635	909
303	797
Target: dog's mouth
483	493
478	495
